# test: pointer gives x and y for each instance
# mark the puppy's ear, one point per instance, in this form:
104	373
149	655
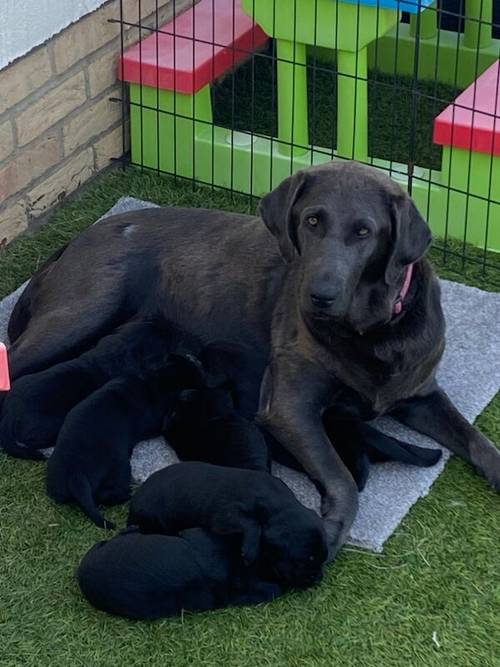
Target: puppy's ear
229	521
276	210
250	544
410	237
233	520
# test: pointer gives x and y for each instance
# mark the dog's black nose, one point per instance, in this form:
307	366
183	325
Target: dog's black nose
322	300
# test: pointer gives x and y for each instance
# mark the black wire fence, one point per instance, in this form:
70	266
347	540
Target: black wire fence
238	94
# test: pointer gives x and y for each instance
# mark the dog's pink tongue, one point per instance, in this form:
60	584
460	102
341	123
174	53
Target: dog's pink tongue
4	369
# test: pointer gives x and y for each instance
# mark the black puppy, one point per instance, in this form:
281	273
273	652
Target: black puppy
206	427
273	525
359	444
91	461
239	366
153	576
34	410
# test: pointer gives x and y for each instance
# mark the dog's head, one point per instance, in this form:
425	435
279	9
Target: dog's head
290	545
294	546
198	405
352	232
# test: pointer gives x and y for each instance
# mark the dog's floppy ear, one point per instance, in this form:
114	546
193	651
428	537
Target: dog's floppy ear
410	237
250	544
233	520
276	211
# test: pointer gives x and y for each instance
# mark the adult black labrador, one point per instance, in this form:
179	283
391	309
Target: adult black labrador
342	302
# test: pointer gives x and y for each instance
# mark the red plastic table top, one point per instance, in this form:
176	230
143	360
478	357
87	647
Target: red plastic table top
195	48
475	124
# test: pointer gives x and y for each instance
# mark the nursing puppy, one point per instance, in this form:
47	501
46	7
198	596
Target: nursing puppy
34	410
91	462
238	366
259	508
154	576
206	427
359	444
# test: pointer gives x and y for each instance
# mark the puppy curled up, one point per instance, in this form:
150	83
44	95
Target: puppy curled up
35	408
91	461
272	525
154	576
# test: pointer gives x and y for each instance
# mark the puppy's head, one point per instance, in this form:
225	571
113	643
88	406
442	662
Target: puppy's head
294	547
202	404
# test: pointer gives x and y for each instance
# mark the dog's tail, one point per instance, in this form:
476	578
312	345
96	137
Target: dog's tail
82	493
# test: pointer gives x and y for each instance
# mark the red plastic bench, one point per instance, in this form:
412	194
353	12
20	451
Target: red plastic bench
472	121
195	48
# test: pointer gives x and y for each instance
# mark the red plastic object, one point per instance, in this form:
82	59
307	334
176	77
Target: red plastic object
475	123
4	369
198	46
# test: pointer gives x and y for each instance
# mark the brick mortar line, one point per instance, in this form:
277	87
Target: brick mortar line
86	80
23	193
78	112
50	52
50	85
58	125
59	78
82	65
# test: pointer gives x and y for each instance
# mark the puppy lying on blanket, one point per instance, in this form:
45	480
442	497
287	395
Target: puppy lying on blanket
91	462
207	428
35	408
153	576
273	525
360	444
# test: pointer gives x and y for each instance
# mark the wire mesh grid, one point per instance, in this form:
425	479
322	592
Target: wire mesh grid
238	94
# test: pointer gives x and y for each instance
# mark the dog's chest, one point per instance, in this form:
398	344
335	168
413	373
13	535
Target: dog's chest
374	383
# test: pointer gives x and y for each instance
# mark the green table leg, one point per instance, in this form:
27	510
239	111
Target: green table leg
292	98
164	127
428	23
352	105
478	23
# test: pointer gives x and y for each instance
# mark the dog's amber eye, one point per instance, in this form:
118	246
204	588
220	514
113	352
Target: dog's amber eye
312	220
363	232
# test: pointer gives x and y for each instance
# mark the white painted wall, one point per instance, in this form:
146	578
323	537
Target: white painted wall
25	24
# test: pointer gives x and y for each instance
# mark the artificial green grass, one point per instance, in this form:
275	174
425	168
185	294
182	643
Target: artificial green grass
438	573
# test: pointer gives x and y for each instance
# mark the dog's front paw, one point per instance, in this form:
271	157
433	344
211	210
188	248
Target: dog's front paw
339	510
